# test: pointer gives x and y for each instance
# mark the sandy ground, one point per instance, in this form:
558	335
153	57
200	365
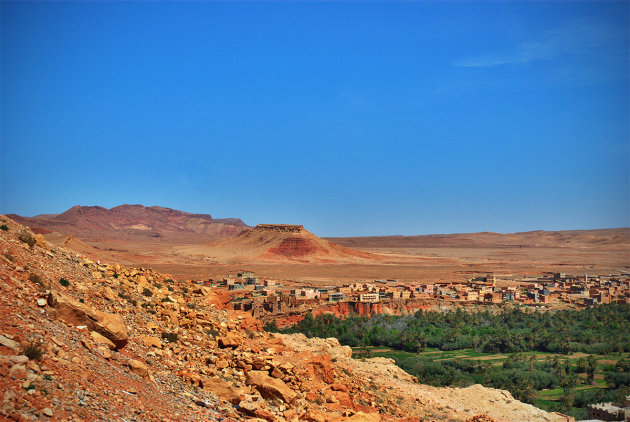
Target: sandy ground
422	264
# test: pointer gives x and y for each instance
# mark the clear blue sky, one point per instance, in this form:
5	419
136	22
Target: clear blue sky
352	118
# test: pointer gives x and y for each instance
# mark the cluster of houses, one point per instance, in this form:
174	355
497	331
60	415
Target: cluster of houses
610	411
267	295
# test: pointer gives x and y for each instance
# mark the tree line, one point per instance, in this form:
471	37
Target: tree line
599	330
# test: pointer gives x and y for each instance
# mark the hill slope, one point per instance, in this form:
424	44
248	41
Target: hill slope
282	242
83	341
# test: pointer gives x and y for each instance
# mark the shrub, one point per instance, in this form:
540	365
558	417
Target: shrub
191	305
33	350
35	278
10	257
124	295
171	337
115	275
4	227
64	282
170	289
27	238
158	285
147	292
169	280
212	332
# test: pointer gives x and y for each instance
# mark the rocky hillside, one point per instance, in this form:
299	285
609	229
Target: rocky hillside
131	221
82	340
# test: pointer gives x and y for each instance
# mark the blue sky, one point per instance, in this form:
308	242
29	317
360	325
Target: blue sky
352	118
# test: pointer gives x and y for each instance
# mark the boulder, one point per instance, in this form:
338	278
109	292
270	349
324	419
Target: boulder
72	312
151	341
100	339
270	387
230	340
324	368
221	388
7	342
139	368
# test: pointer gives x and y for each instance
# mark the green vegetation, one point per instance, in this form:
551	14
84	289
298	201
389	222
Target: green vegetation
171	337
35	278
559	361
4	227
64	282
26	237
147	292
33	350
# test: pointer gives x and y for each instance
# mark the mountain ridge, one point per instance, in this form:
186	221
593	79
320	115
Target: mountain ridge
130	221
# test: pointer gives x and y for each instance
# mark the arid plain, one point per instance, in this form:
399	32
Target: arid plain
193	246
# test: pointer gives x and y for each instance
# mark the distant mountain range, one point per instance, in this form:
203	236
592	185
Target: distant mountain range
132	221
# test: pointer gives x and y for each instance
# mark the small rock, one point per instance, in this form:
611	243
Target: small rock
21	359
41	302
7	342
46	411
139	368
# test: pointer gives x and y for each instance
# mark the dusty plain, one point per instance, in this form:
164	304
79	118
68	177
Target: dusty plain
429	258
198	246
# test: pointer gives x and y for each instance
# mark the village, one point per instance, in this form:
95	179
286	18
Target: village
264	297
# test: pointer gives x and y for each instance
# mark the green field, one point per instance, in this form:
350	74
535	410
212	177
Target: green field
548	399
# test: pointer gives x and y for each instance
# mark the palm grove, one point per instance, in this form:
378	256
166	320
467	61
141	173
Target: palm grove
554	352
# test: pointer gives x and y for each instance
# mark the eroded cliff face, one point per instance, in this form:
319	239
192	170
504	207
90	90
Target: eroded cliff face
344	309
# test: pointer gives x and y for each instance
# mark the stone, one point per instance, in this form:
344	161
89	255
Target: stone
151	341
18	371
221	388
230	340
40	241
315	416
46	411
109	294
41	302
100	339
20	359
270	387
7	342
139	368
324	368
111	326
248	407
221	363
364	417
339	387
104	351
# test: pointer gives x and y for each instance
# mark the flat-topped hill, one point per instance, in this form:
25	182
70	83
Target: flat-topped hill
282	242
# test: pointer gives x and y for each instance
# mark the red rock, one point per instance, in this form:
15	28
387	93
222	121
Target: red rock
72	312
270	387
324	368
230	340
222	389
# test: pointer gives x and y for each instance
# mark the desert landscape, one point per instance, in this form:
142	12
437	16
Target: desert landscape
315	211
197	247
